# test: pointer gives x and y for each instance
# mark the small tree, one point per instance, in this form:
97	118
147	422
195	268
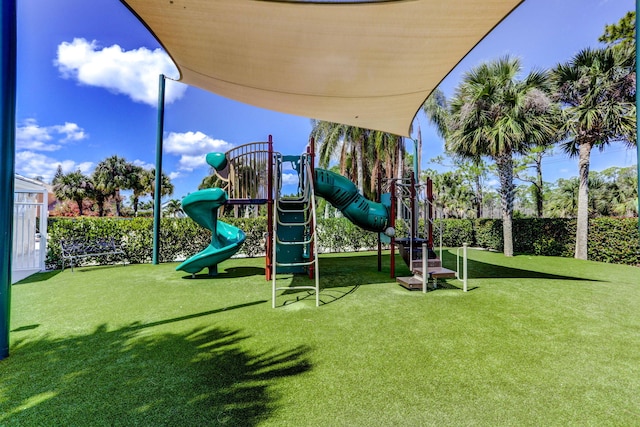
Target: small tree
73	186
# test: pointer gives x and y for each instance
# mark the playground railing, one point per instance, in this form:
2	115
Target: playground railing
464	266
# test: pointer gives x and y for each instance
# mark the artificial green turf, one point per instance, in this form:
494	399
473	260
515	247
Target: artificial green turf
537	341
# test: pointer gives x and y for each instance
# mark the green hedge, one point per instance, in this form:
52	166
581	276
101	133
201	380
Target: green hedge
613	240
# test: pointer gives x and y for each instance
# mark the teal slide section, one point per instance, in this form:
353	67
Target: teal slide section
202	206
344	196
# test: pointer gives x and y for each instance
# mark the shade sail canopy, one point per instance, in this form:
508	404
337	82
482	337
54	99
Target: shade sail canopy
366	64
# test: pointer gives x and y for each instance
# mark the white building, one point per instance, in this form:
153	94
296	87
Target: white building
29	228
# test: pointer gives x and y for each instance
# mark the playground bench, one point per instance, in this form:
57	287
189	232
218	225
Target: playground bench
74	250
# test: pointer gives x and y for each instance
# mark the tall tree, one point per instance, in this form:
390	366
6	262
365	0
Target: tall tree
136	185
148	180
621	34
173	208
359	152
73	186
472	171
348	141
111	175
597	89
495	114
533	160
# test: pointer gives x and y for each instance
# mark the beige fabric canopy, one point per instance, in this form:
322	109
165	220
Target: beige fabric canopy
366	64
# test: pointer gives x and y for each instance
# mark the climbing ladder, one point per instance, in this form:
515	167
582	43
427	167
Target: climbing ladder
294	227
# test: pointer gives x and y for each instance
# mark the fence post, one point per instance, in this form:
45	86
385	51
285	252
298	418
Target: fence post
464	267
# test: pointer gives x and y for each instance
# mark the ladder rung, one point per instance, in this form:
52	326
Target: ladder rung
294	223
294	264
313	288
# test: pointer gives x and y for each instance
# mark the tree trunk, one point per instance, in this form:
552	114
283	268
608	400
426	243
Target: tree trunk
538	186
505	171
479	198
118	200
360	165
79	202
582	222
136	200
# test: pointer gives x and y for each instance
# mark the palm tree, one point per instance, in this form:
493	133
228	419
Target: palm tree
348	140
111	175
136	185
148	181
494	114
563	201
173	208
73	186
596	88
473	172
360	152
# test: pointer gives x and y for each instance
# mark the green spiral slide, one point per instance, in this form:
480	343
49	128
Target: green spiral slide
202	206
344	196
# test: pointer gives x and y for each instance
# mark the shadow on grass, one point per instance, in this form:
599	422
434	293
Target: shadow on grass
483	270
206	376
38	277
229	273
340	276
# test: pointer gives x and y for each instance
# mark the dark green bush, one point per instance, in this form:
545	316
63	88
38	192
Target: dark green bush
544	236
455	232
488	234
612	240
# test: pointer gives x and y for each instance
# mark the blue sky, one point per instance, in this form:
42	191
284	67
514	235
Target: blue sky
88	79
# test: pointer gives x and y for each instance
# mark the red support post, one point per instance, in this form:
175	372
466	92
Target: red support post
269	244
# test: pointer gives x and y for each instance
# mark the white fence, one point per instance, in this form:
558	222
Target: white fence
29	233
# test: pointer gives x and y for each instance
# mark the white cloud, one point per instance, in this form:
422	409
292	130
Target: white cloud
33	165
129	72
290	179
174	175
192	147
31	136
72	132
143	164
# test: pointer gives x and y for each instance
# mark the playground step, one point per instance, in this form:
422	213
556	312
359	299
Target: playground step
410	283
432	262
437	272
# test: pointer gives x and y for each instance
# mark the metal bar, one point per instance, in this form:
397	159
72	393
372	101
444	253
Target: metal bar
7	162
157	199
425	267
464	268
638	113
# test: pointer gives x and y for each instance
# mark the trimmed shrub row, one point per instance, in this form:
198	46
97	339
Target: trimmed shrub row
613	240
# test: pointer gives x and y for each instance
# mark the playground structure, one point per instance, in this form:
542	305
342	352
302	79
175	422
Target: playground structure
252	175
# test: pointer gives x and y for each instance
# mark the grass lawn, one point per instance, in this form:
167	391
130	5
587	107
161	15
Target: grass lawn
538	341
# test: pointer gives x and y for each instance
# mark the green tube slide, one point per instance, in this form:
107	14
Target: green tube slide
344	196
202	206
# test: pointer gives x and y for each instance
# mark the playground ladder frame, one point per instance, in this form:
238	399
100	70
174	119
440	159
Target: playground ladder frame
309	210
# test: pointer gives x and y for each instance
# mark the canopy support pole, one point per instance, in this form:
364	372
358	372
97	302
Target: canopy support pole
7	162
157	199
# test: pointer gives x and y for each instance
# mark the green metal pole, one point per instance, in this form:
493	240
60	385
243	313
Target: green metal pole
637	113
157	200
7	161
